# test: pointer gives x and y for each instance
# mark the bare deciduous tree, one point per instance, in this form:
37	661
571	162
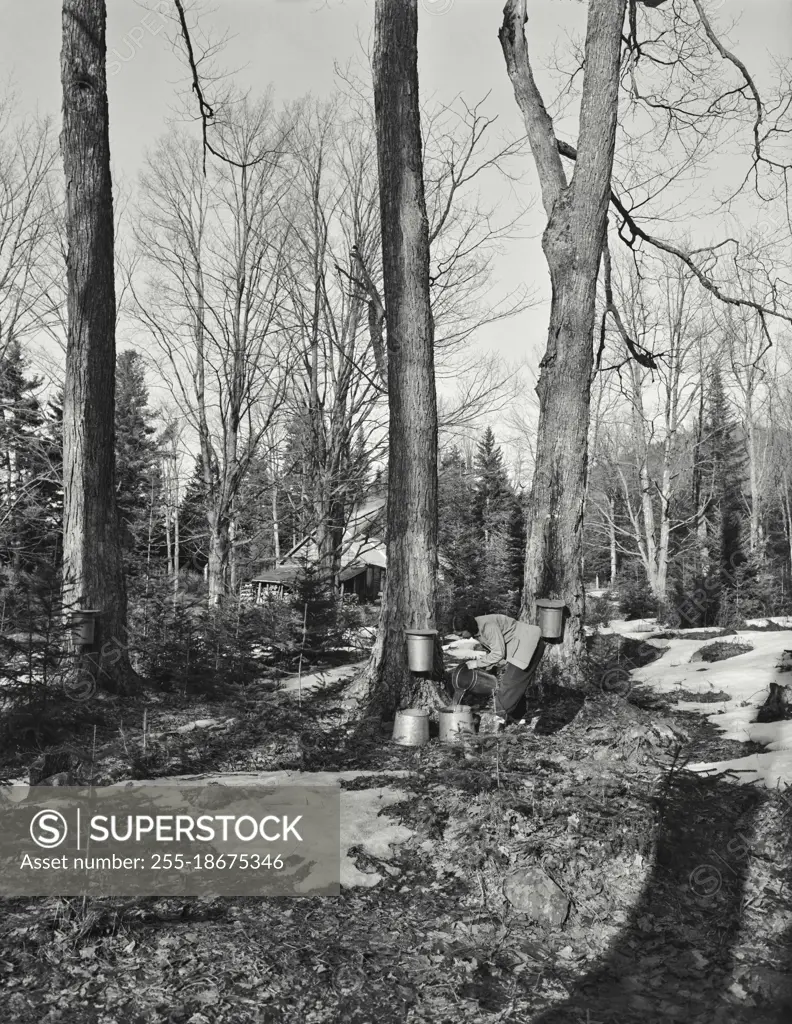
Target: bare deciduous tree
682	106
215	249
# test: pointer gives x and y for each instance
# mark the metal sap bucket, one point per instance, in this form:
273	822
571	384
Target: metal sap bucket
454	723
550	618
81	624
420	649
411	727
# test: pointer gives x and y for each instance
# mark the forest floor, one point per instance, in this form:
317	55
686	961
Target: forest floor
670	886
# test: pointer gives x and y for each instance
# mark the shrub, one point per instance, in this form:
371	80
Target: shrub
636	600
180	643
599	610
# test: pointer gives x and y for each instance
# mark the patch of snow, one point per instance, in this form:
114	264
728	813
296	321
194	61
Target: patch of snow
316	680
635	629
361	824
746	679
779	620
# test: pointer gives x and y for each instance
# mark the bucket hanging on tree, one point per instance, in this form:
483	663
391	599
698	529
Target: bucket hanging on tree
550	618
420	649
81	624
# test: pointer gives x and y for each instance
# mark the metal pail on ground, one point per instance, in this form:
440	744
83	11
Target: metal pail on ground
454	723
411	727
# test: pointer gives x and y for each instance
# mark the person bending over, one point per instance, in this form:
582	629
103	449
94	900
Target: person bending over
518	644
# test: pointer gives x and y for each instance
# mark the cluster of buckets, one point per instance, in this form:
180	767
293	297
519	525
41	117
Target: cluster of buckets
411	727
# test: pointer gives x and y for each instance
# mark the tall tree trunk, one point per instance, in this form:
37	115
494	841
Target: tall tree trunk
612	540
168	556
217	565
411	584
93	568
664	543
555	510
700	499
176	565
787	505
753	472
649	545
275	516
232	557
572	242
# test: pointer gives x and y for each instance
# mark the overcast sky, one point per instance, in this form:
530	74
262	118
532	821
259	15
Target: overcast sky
295	44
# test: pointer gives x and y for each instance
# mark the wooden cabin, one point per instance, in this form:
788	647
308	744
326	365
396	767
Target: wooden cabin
363	565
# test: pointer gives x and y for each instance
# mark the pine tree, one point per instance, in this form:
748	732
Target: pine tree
459	546
21	423
137	458
498	517
293	500
193	527
254	526
723	459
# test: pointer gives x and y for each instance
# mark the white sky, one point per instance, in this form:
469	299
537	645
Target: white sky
295	44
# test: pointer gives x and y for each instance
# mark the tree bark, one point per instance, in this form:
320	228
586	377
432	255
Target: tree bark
787	505
275	517
410	594
217	565
572	244
93	569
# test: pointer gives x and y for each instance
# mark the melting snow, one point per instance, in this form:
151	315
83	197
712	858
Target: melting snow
746	679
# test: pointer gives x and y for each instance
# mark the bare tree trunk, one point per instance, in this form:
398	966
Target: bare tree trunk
573	241
168	555
612	539
275	522
217	565
176	561
641	442
787	505
232	557
93	569
411	585
700	498
664	541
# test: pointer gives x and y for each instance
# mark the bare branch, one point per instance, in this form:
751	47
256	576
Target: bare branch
538	123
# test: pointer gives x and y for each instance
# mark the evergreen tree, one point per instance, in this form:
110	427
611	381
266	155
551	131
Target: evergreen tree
723	458
254	527
49	485
193	527
498	517
459	547
137	458
293	503
21	429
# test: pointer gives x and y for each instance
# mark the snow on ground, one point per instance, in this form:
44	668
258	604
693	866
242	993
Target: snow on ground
316	680
361	824
637	629
746	679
